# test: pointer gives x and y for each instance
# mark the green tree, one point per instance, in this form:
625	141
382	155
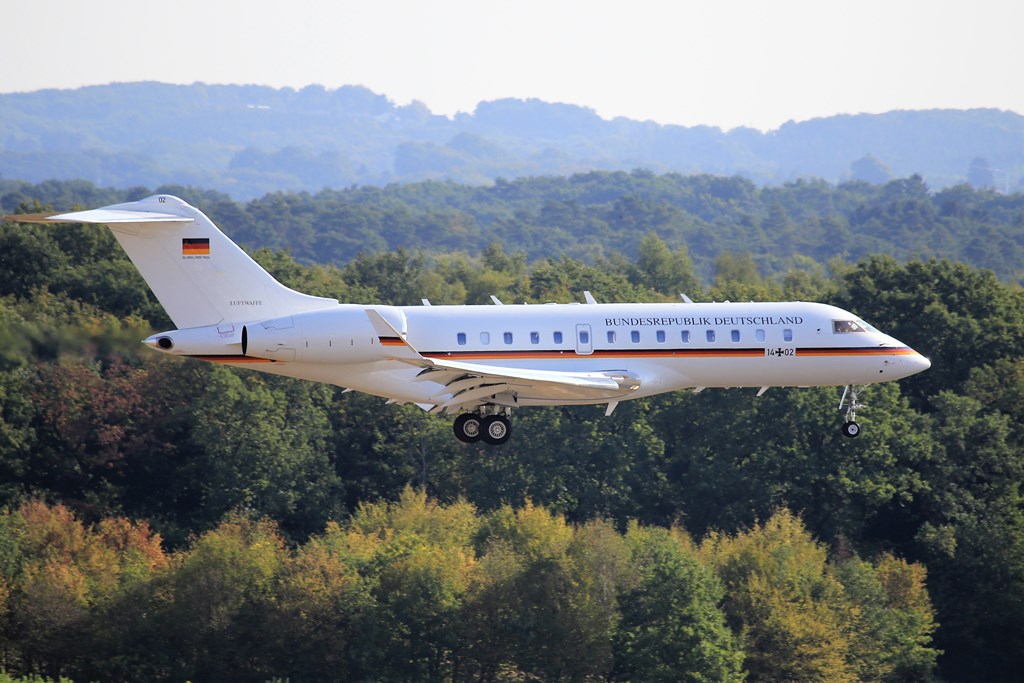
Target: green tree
264	445
665	271
323	615
420	576
889	620
1000	387
30	259
545	607
672	628
970	531
223	593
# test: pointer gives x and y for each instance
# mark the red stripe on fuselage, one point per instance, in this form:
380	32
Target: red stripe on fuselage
233	358
667	353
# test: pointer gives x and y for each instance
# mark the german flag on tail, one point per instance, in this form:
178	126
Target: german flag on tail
195	246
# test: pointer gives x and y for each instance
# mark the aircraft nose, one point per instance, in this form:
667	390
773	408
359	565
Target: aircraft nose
917	363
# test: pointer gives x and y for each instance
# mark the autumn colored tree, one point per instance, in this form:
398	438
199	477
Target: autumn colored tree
802	617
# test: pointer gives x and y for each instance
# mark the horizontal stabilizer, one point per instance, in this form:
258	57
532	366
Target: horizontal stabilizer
102	216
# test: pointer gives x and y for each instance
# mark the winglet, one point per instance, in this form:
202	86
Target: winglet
392	339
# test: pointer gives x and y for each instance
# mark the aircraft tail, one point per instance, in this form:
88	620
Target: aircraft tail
199	275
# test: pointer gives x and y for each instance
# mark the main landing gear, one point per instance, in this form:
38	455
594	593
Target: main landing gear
472	427
850	427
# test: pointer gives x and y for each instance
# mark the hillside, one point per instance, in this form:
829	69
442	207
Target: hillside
602	216
250	140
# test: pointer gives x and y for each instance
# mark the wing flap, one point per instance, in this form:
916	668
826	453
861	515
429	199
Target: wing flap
585	380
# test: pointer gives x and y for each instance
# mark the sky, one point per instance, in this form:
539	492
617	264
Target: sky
724	63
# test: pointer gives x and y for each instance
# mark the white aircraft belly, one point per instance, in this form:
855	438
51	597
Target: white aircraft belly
396	379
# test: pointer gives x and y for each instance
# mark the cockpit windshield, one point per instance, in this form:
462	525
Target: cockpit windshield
846	326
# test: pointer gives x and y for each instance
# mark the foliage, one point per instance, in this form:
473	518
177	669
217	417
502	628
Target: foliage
416	590
599	217
556	554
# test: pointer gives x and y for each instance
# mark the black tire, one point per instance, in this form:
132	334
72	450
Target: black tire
495	430
851	429
468	428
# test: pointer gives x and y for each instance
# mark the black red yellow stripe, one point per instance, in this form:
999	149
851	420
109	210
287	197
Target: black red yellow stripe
522	354
233	358
861	351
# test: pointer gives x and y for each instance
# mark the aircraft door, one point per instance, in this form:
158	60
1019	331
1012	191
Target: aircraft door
584	340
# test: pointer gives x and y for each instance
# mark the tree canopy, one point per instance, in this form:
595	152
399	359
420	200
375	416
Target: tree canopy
166	519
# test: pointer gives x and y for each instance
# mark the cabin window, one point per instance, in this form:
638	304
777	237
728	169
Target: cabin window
660	335
686	336
485	338
584	337
558	337
787	335
461	338
845	326
634	336
611	336
508	337
710	335
760	335
735	335
535	337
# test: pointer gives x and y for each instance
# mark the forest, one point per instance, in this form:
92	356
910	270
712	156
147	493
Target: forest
166	519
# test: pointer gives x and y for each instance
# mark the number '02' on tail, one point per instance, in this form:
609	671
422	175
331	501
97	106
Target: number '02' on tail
199	275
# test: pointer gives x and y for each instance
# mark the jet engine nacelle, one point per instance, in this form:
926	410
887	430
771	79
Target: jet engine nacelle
336	335
211	340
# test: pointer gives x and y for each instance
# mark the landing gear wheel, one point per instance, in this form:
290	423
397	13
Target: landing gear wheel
496	430
850	394
467	427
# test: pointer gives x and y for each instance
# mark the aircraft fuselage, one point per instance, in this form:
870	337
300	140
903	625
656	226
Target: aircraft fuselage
665	346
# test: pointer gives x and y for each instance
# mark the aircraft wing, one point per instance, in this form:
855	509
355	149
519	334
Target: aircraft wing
471	384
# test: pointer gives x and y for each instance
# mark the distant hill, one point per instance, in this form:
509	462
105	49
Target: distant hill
250	140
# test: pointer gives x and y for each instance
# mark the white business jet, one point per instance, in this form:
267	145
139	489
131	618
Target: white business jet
480	362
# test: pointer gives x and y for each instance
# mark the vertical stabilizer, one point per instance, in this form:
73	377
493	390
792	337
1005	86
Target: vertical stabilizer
199	275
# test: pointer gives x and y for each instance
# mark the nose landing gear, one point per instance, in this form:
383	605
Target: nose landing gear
493	429
850	427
